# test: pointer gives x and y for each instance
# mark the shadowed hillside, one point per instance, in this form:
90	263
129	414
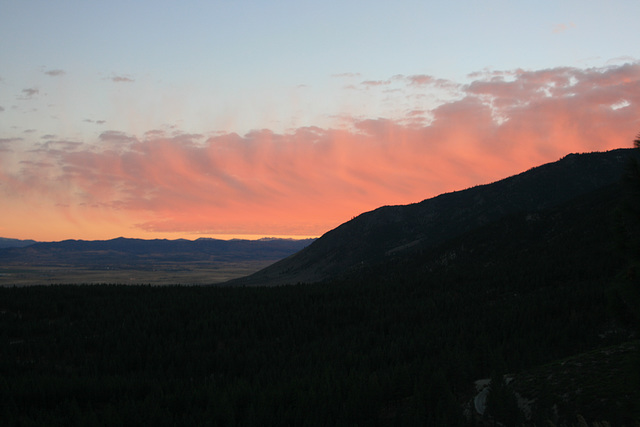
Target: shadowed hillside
394	230
14	243
515	316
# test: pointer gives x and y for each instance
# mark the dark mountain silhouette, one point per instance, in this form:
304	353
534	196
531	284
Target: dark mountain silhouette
513	303
396	232
14	243
124	252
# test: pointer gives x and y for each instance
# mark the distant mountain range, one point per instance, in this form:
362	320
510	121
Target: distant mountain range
126	253
399	232
15	243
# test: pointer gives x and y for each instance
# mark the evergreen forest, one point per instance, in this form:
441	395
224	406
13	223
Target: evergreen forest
543	304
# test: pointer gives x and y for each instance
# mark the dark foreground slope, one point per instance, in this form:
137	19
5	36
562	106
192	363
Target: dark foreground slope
371	237
548	298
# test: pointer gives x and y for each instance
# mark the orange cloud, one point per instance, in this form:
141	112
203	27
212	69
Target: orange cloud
311	179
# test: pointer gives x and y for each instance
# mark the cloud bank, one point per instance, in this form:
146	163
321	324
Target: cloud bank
311	179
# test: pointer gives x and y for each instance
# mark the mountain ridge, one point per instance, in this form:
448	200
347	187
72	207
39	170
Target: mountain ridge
6	242
370	237
129	249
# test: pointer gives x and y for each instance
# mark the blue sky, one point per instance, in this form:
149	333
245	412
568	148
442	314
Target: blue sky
237	66
75	75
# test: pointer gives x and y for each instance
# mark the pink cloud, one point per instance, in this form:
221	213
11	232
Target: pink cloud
376	83
312	179
426	80
420	79
6	143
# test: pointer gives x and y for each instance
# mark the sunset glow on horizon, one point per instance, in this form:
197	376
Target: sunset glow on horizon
270	129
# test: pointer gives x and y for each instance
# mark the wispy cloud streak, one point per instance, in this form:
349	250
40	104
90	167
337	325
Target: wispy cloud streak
311	179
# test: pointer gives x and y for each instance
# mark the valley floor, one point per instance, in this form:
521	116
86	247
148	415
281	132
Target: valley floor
179	273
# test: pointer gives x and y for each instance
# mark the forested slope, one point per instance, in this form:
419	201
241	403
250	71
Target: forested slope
397	342
372	236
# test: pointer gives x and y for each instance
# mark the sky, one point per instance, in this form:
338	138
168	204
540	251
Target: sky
249	119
